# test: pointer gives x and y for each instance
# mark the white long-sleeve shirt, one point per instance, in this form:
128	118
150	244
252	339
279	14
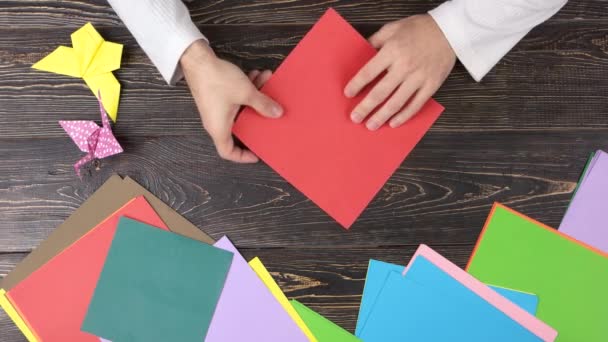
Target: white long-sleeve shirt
481	32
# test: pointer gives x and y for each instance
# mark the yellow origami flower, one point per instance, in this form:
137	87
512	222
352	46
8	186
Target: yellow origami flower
91	58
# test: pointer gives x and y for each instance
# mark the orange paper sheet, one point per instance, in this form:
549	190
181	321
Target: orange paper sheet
315	146
54	299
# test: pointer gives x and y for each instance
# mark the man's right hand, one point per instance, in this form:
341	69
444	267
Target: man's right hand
220	89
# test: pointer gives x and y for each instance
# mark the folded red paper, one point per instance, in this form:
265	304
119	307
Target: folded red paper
315	146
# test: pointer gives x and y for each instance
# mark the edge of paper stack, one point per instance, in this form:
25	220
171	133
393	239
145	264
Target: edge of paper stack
542	284
96	279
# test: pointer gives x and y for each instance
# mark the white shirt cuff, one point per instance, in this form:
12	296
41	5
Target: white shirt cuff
451	19
481	32
163	29
168	64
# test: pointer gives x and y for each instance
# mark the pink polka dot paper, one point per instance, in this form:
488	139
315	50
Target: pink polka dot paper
97	142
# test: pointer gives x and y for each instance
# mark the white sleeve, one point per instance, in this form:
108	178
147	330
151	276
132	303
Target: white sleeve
163	29
481	32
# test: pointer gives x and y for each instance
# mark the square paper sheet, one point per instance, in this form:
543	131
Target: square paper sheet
156	286
315	146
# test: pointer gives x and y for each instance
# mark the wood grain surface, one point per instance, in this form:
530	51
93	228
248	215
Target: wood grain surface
520	137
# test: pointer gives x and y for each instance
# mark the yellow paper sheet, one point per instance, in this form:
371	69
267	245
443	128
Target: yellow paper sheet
260	270
91	58
14	315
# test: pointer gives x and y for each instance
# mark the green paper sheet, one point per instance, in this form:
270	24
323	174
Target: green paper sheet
570	278
156	286
323	329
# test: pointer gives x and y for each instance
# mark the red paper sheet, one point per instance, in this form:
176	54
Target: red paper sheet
339	165
54	299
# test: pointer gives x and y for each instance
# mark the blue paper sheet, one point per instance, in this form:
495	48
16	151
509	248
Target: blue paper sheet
430	305
378	271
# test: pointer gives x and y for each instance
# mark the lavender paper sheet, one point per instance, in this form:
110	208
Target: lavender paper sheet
247	311
586	219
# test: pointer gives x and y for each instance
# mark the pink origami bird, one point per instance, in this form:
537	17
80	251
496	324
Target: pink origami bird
97	142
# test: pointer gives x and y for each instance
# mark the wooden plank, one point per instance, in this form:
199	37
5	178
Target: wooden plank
8	261
8	330
330	280
51	14
441	194
555	79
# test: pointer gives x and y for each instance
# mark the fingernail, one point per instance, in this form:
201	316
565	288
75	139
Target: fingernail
348	93
355	117
372	125
394	123
277	111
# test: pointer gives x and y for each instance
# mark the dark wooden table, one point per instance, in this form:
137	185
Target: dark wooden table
520	137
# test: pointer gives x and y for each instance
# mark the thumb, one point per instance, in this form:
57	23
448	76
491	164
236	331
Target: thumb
381	36
264	105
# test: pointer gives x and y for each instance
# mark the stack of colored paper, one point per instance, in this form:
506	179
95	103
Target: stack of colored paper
561	277
126	267
569	276
433	300
48	293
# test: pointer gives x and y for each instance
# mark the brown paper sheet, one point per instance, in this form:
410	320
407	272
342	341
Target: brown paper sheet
112	195
176	223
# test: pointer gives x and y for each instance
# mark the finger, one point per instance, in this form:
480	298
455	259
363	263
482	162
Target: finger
381	36
413	106
393	105
263	104
253	74
262	78
368	73
242	156
228	150
376	96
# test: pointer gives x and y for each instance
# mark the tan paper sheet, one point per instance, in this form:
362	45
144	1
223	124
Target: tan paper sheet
113	194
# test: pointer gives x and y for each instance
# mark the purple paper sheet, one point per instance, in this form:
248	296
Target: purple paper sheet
247	311
585	219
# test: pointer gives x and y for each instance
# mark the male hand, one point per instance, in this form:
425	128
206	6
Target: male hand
220	89
415	57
